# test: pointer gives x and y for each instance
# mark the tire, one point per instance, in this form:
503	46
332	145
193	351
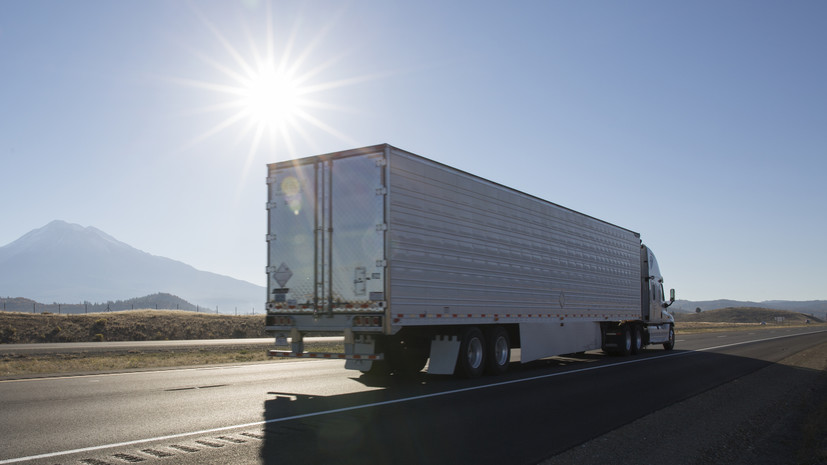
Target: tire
670	344
637	339
471	359
499	350
625	344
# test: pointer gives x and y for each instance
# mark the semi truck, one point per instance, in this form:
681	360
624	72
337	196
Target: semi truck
414	262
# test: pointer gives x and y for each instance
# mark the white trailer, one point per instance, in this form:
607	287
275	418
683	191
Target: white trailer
412	260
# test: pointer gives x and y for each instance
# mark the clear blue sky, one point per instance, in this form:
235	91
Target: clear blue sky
702	125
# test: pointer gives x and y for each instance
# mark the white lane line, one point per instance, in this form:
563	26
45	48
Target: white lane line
387	402
758	340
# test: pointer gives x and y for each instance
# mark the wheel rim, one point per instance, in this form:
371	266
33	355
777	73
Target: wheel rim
628	340
501	351
638	340
474	354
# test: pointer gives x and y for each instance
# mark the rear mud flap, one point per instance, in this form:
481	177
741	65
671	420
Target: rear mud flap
444	352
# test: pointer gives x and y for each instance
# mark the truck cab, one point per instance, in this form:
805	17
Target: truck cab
653	298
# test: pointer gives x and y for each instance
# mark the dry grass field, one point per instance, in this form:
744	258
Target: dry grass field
736	319
139	325
131	325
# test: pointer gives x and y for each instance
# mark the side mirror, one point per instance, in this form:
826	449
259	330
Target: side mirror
671	295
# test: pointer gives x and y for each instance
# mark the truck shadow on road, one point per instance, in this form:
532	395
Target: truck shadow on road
534	411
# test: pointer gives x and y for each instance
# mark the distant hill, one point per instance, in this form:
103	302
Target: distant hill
745	315
816	308
69	263
160	301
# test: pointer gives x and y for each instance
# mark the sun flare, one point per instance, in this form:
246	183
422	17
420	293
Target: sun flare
271	88
272	97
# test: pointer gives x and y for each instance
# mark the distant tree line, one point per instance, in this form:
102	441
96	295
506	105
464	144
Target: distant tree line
160	301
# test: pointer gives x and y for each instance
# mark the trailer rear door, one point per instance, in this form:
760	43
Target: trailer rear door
326	240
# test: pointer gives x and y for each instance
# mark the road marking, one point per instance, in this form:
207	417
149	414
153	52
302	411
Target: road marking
758	340
387	402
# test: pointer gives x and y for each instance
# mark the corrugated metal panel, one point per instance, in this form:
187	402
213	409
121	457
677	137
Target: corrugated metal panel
463	245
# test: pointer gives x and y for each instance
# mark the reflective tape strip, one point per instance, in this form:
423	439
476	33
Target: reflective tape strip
561	316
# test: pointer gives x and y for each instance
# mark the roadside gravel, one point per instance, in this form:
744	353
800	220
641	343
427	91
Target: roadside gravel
776	415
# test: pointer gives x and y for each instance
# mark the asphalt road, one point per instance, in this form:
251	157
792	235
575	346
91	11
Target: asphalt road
123	346
317	412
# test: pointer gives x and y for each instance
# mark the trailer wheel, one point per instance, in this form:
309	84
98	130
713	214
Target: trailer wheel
670	344
471	360
637	339
499	350
625	345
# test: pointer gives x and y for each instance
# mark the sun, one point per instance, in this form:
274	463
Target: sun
269	88
273	98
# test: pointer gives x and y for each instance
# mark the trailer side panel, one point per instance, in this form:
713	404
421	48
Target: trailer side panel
462	247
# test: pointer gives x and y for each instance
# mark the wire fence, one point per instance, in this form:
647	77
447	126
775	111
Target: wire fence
29	306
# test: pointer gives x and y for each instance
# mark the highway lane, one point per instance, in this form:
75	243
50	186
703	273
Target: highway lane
314	411
123	346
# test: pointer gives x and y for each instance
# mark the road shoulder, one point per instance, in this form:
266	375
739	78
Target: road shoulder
774	415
